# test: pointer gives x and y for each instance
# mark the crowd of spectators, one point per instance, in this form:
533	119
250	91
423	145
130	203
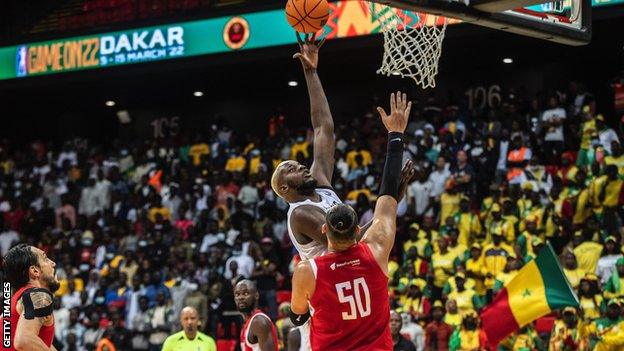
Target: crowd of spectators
141	229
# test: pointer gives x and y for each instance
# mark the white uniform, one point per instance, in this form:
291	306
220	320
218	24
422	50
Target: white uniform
312	249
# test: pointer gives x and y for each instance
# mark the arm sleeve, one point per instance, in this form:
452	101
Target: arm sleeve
37	303
392	167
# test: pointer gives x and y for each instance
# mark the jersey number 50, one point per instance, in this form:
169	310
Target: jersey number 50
354	298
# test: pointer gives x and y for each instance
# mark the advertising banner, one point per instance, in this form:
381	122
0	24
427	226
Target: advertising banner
203	37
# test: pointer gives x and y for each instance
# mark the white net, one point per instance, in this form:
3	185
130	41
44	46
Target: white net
412	45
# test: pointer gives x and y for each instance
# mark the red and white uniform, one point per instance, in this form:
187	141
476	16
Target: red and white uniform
350	302
244	337
46	334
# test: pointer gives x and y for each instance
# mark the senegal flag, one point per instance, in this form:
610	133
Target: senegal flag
539	288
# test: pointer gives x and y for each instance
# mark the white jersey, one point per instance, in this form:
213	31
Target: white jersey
312	249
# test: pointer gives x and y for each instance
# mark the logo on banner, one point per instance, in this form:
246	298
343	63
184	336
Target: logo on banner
20	60
236	33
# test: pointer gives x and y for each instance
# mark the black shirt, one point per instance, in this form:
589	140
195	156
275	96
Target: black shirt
404	345
267	281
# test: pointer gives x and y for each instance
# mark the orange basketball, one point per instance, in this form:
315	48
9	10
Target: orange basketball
307	16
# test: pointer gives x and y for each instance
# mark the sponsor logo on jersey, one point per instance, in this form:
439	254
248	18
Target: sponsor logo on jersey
335	265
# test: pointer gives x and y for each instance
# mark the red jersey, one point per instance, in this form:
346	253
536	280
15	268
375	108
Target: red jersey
46	334
350	302
244	341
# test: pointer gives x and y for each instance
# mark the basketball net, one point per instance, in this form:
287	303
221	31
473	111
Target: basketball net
412	43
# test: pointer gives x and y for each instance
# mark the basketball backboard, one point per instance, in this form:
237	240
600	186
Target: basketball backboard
565	21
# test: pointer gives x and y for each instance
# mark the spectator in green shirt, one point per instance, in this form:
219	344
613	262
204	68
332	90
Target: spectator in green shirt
189	339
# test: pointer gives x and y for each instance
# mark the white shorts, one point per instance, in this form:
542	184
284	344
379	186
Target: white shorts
304	332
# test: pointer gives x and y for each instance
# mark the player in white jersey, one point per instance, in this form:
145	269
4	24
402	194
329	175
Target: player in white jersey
309	192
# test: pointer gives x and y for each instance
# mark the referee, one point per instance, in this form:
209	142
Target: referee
189	339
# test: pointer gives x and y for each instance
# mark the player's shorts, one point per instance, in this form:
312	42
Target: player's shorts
304	332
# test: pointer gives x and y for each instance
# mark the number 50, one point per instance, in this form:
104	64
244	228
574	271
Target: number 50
354	299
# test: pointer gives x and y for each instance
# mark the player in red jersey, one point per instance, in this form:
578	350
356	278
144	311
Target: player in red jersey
258	333
33	280
345	292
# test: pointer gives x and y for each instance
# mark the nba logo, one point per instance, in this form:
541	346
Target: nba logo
20	67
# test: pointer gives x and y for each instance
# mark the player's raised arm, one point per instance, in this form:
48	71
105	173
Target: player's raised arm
324	141
381	234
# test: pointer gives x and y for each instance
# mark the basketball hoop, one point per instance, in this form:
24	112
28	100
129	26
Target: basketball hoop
412	43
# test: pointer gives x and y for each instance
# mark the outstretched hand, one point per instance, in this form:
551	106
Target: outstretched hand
408	173
308	51
399	113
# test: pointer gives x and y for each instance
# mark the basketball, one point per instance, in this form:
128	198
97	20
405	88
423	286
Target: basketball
307	16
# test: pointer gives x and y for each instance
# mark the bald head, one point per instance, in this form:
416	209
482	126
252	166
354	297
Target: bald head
291	179
189	319
246	296
188	310
247	284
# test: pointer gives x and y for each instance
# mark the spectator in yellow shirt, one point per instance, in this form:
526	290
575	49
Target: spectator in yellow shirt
418	239
587	254
475	268
255	162
494	258
353	195
504	277
567	333
590	300
442	265
468	223
158	209
504	226
198	150
588	128
236	162
612	198
465	298
301	145
449	201
367	159
571	270
616	158
453	316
